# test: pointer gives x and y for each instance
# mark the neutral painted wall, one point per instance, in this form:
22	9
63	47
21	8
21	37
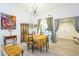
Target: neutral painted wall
65	10
21	17
66	30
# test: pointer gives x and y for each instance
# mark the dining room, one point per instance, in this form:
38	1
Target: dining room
30	29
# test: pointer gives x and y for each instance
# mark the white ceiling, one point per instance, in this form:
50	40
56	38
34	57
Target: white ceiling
47	8
42	8
58	10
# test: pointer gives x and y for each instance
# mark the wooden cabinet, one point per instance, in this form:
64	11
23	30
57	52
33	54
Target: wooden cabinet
24	31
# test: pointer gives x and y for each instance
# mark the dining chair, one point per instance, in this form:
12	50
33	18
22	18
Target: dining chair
29	41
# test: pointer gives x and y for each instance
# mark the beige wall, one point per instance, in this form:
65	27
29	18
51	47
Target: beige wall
66	30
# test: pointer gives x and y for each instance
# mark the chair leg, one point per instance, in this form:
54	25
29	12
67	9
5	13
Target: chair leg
28	46
46	47
32	48
22	53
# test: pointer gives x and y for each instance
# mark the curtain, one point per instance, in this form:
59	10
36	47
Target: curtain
49	23
56	25
50	27
39	22
53	27
76	24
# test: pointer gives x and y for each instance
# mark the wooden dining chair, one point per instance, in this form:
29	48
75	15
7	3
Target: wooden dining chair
12	49
29	41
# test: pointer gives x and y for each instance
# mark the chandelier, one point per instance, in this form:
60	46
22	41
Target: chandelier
35	11
34	15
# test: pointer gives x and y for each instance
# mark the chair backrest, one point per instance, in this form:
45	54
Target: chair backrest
29	38
12	38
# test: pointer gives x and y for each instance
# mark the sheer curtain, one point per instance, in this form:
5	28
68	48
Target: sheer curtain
39	22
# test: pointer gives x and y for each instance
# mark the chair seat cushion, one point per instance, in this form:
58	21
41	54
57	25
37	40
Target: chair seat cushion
12	50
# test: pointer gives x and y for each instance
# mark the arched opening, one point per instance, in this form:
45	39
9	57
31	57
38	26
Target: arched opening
66	29
65	42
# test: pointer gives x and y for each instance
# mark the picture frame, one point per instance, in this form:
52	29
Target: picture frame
7	21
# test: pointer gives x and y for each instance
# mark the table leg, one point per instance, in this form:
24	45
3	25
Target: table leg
22	52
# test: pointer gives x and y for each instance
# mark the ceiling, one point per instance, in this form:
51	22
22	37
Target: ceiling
55	9
46	8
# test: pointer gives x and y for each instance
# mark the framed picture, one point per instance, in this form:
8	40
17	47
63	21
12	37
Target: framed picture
8	21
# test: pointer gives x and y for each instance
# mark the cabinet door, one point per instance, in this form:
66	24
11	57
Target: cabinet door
21	32
24	31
